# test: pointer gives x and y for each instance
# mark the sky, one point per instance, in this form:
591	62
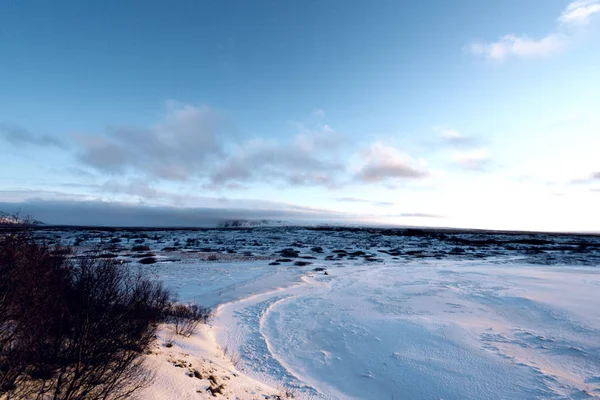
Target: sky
469	113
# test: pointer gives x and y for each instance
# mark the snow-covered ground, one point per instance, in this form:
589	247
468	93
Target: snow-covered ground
379	316
427	330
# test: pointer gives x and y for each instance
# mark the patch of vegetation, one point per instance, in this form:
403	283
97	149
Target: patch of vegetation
73	328
186	317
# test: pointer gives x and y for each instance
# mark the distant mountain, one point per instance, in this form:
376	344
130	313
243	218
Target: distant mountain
251	223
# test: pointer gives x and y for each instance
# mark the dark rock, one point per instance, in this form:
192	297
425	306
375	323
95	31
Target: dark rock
140	248
289	253
144	255
358	253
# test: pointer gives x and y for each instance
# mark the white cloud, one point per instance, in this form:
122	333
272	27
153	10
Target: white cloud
19	136
309	159
472	160
453	137
521	46
191	144
449	134
579	12
382	162
319	114
135	188
176	149
587	179
363	201
319	138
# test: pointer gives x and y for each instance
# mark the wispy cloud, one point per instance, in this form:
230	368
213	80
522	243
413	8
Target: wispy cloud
175	149
593	177
420	215
522	46
452	137
464	151
475	160
19	136
579	12
134	188
357	200
309	159
193	144
383	203
382	162
352	200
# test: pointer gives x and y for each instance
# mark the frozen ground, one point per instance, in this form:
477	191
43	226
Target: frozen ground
374	314
427	330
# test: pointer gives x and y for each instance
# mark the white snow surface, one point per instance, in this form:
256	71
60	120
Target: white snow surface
436	330
433	323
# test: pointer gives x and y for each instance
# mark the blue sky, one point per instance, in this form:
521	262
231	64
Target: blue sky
465	113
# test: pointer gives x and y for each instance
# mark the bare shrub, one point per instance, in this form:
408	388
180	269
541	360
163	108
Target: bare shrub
186	317
286	393
232	356
72	328
170	340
